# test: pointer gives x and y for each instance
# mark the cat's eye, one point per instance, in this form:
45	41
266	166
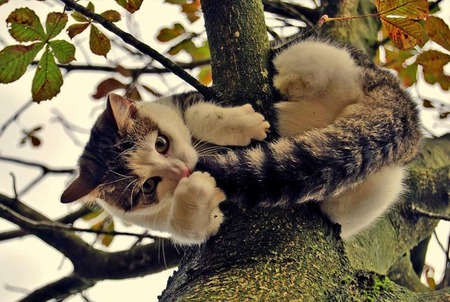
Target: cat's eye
149	185
162	144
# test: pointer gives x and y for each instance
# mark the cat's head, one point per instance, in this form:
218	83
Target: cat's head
135	157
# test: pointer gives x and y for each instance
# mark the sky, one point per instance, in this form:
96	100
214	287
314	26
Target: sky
28	263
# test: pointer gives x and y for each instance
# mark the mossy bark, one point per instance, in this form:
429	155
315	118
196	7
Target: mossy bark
275	254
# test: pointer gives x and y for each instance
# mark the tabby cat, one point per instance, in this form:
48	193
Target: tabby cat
347	129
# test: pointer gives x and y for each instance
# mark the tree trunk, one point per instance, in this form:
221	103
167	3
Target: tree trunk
295	254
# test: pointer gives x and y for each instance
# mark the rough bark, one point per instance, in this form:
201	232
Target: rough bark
273	254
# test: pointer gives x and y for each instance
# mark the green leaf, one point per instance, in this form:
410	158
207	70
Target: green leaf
438	31
130	5
79	17
107	239
55	24
47	80
76	29
92	215
91	7
63	51
15	59
111	15
24	25
98	42
167	34
3	2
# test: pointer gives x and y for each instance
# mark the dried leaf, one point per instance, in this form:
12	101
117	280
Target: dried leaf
192	11
438	31
433	63
24	25
444	115
167	34
64	51
47	80
130	5
179	2
400	20
55	24
15	59
111	15
3	2
76	29
98	42
124	71
35	141
106	86
427	104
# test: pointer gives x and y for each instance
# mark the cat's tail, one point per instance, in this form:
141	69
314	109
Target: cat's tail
381	130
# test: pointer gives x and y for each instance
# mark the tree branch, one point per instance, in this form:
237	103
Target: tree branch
144	48
43	167
294	11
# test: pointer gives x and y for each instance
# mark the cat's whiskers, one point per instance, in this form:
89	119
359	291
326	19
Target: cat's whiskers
136	185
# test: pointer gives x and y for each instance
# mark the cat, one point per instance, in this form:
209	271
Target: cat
347	130
139	162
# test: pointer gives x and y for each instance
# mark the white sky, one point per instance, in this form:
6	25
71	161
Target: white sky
28	263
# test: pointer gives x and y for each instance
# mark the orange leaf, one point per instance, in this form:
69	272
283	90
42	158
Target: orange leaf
106	86
433	63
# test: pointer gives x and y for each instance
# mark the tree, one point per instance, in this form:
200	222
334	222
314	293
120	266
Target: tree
260	254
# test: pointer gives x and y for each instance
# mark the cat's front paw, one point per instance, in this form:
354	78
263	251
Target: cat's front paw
195	212
244	125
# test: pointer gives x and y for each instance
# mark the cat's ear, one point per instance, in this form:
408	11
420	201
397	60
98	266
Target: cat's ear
122	109
79	188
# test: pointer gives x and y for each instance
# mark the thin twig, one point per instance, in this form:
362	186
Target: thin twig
26	222
15	116
144	48
428	214
43	167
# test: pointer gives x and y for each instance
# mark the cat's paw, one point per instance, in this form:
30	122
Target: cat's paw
195	213
243	125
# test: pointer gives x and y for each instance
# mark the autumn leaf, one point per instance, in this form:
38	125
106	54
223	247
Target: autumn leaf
3	2
25	26
167	34
30	136
400	20
396	60
433	63
130	5
15	59
438	31
98	42
48	79
76	29
205	75
106	86
111	15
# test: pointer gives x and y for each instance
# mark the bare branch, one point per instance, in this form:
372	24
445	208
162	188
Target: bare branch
422	212
144	48
15	116
45	169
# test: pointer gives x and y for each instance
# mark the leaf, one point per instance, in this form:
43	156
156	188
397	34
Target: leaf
396	59
90	7
35	141
404	32
76	29
15	59
179	2
63	51
444	115
185	44
24	25
192	11
205	75
400	20
106	86
98	42
47	80
92	215
427	104
130	5
411	9
167	34
79	17
55	24
3	2
111	15
107	239
438	31
124	71
433	63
